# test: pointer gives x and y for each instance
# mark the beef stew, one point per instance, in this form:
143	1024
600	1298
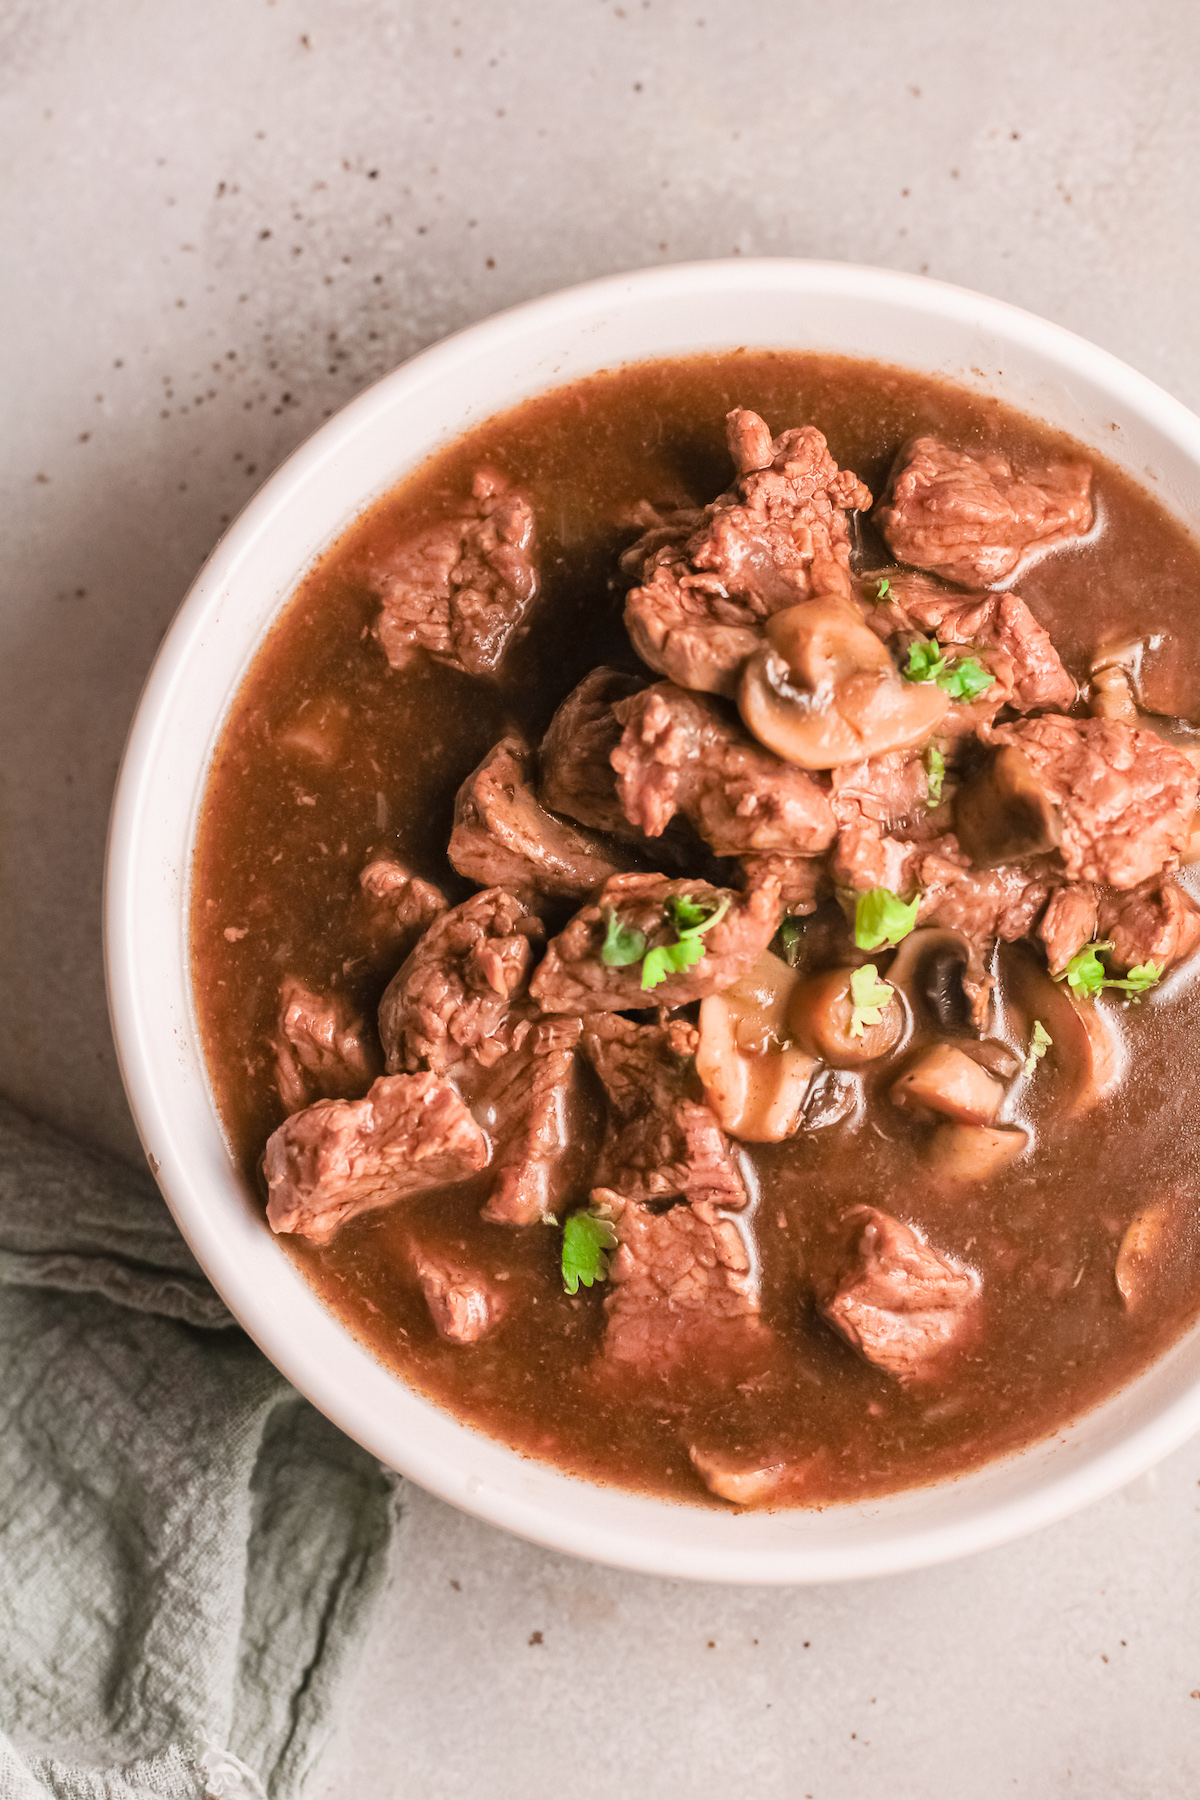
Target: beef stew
701	985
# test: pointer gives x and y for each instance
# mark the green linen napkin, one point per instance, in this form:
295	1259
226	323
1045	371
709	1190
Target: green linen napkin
188	1551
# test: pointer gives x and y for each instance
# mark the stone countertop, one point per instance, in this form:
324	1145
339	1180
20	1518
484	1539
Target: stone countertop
222	219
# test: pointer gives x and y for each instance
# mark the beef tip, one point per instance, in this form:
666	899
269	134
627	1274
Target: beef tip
339	1158
502	835
577	777
980	906
972	519
777	536
872	801
572	979
527	1107
401	904
683	753
898	1301
462	1305
1120	799
1068	923
803	881
462	590
661	1140
682	1288
323	1047
459	998
1028	671
1156	922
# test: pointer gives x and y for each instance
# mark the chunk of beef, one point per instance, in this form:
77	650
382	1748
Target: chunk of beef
981	906
1122	799
803	881
577	777
572	978
661	1140
323	1047
459	998
898	1301
682	1288
502	835
462	1305
1028	671
683	753
462	590
526	1107
1068	923
872	801
1156	922
779	535
401	904
972	519
339	1158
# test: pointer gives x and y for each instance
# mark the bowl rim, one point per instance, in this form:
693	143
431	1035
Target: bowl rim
656	1545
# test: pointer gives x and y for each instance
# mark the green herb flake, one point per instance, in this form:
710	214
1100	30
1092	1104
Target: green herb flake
670	959
622	944
1140	977
789	938
587	1241
882	918
966	680
1039	1043
868	998
925	662
883	591
1086	975
691	918
935	775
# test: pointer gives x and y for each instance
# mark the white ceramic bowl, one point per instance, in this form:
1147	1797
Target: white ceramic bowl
353	459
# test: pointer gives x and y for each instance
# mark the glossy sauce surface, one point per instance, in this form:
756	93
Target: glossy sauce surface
330	758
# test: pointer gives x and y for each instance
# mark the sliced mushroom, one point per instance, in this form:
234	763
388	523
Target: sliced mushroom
744	1482
1087	1058
1111	695
823	690
755	1079
1003	814
943	1079
973	1152
1140	1254
943	971
821	1013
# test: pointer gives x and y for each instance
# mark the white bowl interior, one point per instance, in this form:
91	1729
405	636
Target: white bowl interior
353	459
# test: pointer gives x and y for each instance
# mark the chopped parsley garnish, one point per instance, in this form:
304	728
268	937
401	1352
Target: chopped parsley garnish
966	679
1086	975
868	998
788	938
691	918
925	662
882	918
622	944
1039	1043
935	775
883	590
587	1240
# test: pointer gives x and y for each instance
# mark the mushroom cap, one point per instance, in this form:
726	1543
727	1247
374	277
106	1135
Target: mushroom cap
823	690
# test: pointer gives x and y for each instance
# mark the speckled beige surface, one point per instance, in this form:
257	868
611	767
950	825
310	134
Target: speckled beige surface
221	219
